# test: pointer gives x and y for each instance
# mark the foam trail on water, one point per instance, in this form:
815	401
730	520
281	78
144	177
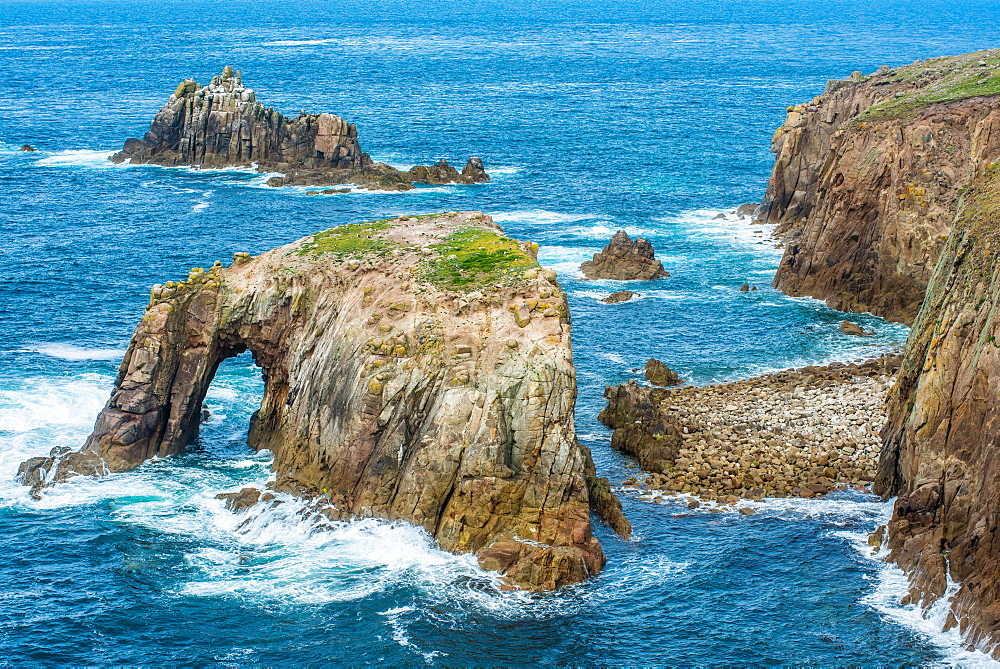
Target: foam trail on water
73	352
79	158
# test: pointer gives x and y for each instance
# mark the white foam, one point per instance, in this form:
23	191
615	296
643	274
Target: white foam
298	42
80	158
73	352
613	357
537	217
604	231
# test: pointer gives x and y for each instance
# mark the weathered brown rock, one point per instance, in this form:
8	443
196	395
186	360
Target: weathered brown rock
624	260
847	327
620	296
640	426
397	383
443	173
659	374
28	148
867	179
223	125
940	454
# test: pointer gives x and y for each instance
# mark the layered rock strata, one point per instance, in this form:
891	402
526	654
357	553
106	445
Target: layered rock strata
798	433
625	259
940	452
223	125
868	175
415	368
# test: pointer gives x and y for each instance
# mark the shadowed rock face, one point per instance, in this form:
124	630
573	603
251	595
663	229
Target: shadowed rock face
222	124
867	178
942	442
415	369
624	260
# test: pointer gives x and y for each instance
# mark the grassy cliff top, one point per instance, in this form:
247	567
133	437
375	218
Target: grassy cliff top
935	80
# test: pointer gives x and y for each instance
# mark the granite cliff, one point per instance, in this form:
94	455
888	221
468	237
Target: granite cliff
415	368
868	175
940	452
223	125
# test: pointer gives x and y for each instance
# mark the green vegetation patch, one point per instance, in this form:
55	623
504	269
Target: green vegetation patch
353	239
965	79
472	257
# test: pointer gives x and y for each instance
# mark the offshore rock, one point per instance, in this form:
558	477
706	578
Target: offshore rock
28	148
443	173
417	369
619	296
223	125
847	327
868	175
940	450
659	374
624	260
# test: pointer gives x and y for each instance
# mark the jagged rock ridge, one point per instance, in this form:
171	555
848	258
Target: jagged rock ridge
223	125
940	449
624	259
867	178
415	368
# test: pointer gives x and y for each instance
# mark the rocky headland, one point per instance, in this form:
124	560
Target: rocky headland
625	259
940	451
868	178
797	433
223	125
416	368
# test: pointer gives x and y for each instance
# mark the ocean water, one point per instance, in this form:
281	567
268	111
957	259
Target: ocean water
592	117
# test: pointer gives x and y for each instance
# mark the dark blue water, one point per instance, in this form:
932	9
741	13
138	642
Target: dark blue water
593	116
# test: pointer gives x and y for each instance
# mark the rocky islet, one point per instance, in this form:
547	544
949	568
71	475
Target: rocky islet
222	124
625	259
416	368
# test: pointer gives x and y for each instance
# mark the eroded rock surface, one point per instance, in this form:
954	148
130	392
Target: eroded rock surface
868	175
940	454
624	259
415	368
223	125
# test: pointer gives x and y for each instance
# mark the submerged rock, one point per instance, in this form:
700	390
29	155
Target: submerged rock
659	374
624	260
847	327
620	296
399	383
868	176
222	124
28	148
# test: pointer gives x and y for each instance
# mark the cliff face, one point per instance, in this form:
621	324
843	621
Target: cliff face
222	124
867	178
942	442
415	368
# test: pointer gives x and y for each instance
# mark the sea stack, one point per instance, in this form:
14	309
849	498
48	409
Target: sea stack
417	369
624	260
868	177
943	434
223	125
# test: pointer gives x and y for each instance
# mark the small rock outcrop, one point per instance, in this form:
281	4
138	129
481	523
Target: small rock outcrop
940	452
415	368
659	374
619	296
624	260
223	125
868	176
28	148
847	327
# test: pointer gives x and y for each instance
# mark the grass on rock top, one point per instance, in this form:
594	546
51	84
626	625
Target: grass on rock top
473	257
351	239
959	79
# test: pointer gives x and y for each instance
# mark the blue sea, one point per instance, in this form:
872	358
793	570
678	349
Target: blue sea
592	116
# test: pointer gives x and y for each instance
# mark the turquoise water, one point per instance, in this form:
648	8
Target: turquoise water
591	117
